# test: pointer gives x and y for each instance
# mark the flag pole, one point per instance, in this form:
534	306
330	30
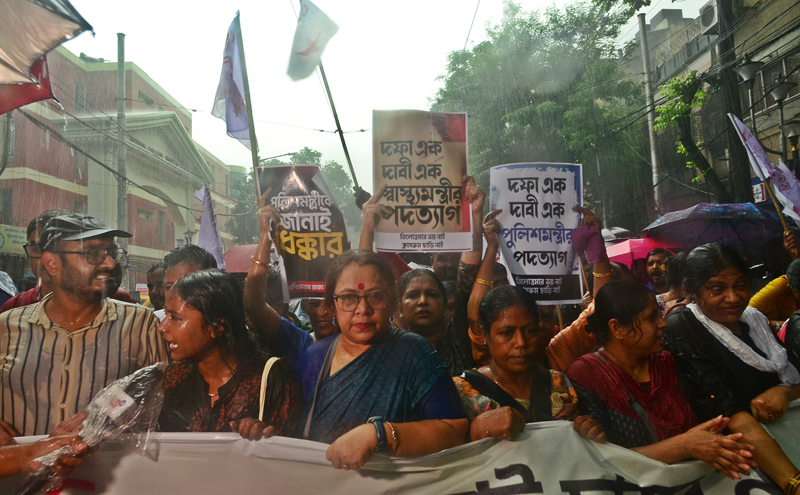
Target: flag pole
356	187
250	123
778	208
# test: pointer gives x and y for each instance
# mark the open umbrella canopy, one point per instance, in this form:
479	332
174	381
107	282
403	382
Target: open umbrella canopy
29	29
634	249
614	235
237	259
743	226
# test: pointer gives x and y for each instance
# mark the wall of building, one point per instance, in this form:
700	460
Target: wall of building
162	158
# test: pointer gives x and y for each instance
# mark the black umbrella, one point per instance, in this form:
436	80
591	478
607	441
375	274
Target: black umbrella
744	226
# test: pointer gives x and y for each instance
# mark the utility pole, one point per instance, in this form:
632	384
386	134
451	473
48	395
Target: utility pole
739	164
122	186
606	214
658	193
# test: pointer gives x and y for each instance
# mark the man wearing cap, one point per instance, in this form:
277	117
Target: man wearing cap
55	355
44	285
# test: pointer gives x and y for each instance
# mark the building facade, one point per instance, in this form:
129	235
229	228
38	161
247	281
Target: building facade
767	31
73	165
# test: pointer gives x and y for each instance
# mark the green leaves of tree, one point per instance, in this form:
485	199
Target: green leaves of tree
549	86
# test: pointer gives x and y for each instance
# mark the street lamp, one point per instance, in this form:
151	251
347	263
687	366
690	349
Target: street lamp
779	92
792	131
748	70
187	236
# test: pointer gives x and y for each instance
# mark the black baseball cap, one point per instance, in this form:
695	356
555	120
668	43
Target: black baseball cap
75	227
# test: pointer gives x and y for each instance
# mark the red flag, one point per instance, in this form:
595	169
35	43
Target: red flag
16	95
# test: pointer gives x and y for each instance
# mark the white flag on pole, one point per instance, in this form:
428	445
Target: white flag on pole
314	30
784	183
229	103
209	238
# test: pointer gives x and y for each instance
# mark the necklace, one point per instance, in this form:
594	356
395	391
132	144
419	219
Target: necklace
224	381
495	378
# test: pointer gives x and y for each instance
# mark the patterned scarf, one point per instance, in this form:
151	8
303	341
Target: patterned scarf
665	404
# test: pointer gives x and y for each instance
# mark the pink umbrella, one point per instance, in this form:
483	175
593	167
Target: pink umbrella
632	249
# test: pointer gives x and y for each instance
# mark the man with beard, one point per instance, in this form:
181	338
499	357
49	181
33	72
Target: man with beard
655	259
44	285
445	265
60	352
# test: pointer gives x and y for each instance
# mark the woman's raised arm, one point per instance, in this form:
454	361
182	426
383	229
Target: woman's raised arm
482	285
265	320
372	214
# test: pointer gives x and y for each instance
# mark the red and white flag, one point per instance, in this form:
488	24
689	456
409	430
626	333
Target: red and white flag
314	30
17	95
784	183
229	103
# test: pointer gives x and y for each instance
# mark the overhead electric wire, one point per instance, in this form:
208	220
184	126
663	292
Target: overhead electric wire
60	137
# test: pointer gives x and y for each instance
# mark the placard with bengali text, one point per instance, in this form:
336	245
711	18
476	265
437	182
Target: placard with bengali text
311	232
537	222
421	158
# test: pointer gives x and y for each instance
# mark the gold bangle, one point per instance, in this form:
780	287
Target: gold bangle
260	263
394	437
483	282
793	484
603	275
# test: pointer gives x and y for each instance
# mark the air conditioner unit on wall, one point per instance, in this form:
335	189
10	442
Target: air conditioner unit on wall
709	21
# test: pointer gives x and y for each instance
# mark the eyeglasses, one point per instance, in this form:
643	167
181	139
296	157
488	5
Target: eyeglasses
33	250
349	302
96	256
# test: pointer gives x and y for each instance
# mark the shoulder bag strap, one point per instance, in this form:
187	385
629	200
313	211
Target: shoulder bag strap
541	403
643	416
488	388
323	373
263	389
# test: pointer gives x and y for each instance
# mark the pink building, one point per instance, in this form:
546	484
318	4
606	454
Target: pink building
165	167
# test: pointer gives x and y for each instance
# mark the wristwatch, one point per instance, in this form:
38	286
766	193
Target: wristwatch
377	421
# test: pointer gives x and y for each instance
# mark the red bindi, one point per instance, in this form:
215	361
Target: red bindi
360	286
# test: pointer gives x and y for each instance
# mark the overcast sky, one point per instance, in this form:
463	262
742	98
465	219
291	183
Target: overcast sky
386	55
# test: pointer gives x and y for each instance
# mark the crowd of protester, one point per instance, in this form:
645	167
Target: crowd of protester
405	359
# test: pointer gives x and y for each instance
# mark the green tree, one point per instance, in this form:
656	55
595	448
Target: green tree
726	80
243	222
548	86
306	156
684	94
341	186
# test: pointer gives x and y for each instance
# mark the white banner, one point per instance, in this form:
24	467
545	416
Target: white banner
547	458
537	222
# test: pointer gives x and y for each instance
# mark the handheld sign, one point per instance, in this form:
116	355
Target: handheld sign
537	222
421	157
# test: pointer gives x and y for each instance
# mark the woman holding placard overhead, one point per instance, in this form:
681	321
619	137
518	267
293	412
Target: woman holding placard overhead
372	388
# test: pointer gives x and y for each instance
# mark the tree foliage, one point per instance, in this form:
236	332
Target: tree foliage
243	222
683	95
341	187
548	86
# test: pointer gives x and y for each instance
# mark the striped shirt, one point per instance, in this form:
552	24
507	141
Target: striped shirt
47	374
